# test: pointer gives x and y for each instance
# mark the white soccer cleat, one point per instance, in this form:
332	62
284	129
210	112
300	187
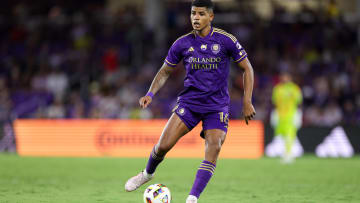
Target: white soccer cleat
191	199
137	181
287	159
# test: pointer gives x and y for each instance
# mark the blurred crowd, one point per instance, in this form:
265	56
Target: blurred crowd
79	60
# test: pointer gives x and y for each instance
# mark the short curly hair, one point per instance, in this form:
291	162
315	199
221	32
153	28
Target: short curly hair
203	3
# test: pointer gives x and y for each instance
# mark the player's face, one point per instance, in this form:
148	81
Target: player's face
285	77
201	17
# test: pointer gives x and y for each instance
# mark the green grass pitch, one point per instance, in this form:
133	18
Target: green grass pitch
309	179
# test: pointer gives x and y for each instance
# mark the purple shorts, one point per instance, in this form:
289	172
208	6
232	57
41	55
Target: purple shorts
210	120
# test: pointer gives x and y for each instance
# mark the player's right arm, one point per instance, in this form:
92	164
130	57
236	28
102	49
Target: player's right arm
173	58
274	96
159	81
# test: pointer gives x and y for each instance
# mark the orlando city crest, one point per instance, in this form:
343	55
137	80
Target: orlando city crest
203	47
215	48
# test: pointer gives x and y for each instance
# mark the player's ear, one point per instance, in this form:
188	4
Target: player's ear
211	14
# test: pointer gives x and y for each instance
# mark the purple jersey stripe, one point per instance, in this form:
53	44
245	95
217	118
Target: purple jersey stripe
241	59
170	64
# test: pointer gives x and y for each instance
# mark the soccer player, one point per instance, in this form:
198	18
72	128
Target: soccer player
206	53
287	97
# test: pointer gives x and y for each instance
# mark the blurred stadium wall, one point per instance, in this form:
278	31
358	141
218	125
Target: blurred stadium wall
93	59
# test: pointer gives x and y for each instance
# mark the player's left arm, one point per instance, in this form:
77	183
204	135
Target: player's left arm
239	55
248	80
299	97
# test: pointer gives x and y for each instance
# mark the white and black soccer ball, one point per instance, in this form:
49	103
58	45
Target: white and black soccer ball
157	193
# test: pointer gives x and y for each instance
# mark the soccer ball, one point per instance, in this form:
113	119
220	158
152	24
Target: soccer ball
157	193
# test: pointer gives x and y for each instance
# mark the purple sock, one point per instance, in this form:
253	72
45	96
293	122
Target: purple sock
203	176
154	161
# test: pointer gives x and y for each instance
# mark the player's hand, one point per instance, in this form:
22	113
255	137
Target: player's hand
145	101
249	111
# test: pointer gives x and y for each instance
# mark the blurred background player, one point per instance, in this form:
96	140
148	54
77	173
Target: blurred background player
286	118
206	53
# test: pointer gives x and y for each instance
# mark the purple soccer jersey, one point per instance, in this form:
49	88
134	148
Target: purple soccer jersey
206	60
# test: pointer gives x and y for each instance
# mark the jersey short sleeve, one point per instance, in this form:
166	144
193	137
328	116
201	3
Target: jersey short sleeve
236	51
174	55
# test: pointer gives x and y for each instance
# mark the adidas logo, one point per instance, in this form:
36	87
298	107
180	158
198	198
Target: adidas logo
336	144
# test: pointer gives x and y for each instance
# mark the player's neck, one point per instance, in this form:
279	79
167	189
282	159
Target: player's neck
204	32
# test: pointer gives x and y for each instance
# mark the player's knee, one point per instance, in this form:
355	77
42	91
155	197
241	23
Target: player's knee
216	148
214	145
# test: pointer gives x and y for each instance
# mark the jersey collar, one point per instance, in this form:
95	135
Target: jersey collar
207	36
